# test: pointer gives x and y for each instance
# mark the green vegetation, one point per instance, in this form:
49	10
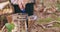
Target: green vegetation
9	26
45	20
57	19
58	5
56	25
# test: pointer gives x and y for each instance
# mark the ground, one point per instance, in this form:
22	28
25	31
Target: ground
47	23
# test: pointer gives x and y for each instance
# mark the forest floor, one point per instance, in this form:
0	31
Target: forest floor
46	23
